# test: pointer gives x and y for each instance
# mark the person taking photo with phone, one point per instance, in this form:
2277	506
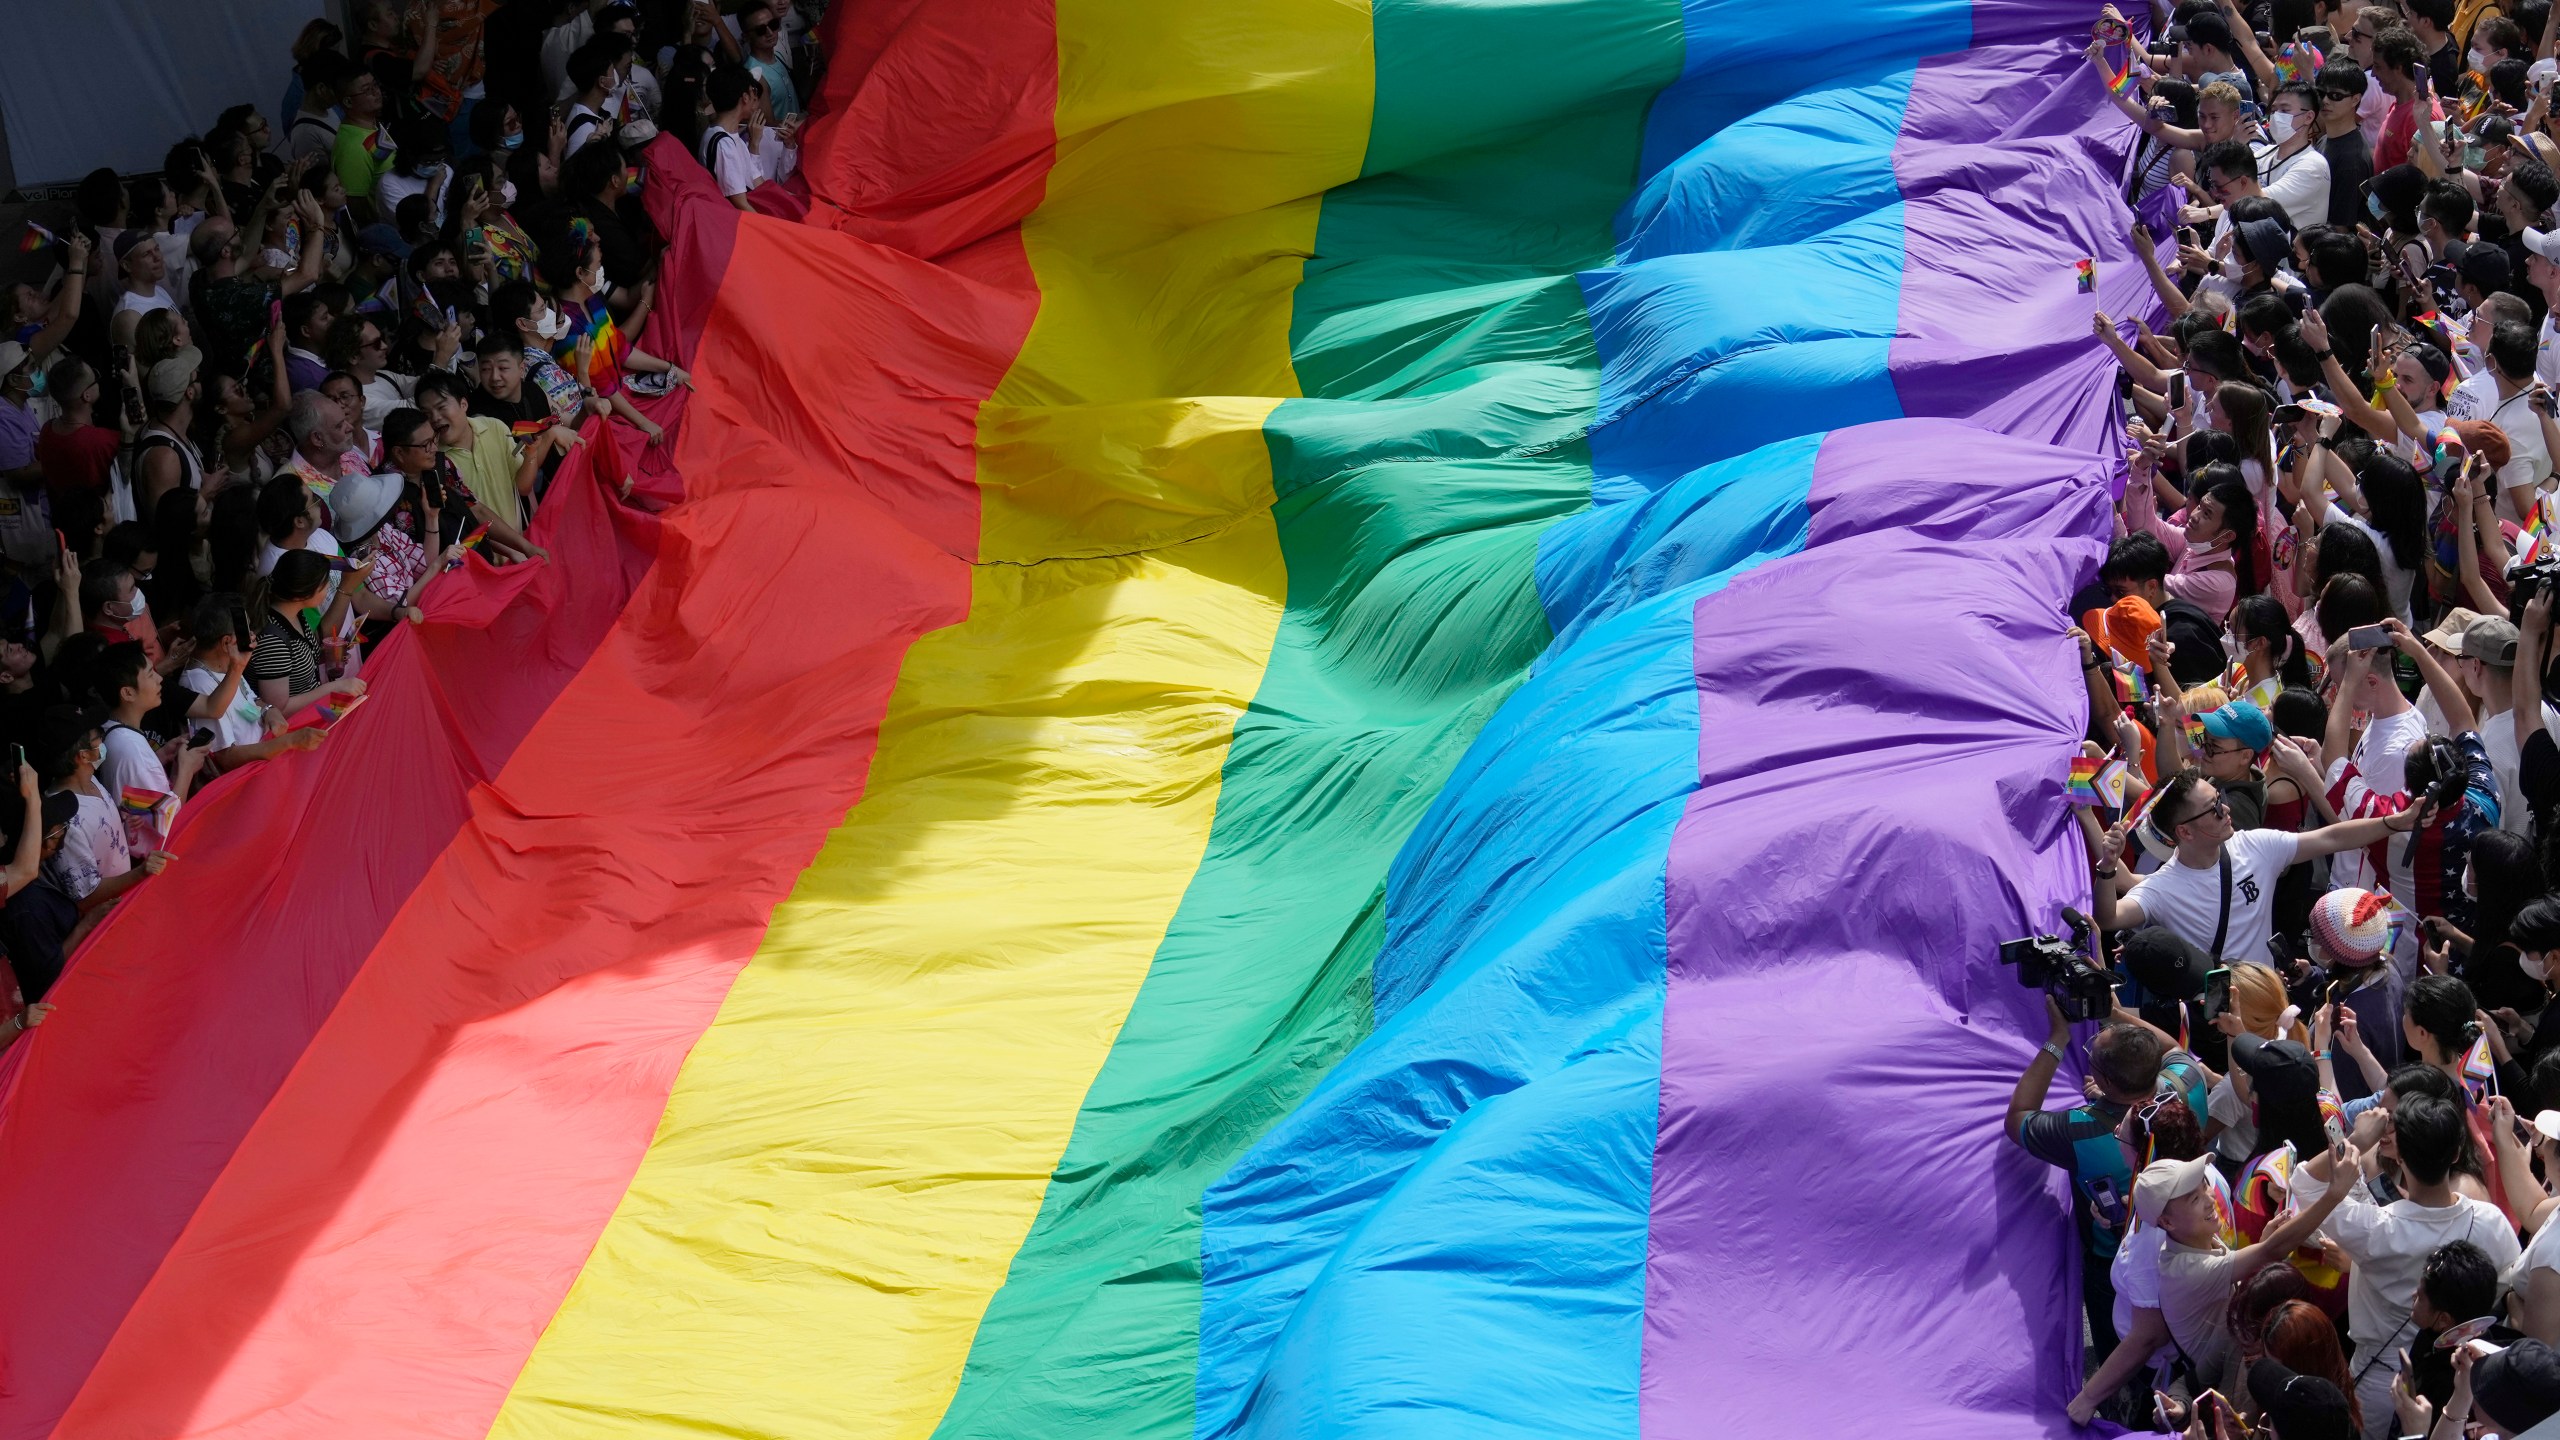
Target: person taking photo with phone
2389	1244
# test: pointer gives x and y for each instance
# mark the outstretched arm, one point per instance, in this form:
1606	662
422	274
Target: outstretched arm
2440	682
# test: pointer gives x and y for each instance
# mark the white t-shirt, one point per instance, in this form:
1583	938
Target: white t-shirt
242	724
396	186
2542	1254
2390	1244
93	848
558	43
158	299
2136	1273
2474	398
269	552
2498	737
2529	459
585	123
2300	184
731	163
384	393
2546	353
2382	750
130	763
2187	901
2238	1140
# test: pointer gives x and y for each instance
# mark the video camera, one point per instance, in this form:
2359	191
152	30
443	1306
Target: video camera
2525	581
2067	970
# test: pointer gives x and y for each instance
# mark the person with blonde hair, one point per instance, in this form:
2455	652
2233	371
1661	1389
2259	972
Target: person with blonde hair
2259	1008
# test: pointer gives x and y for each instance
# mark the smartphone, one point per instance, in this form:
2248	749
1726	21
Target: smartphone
2178	391
2217	991
2110	1201
17	757
2336	1132
2290	415
340	564
2369	637
199	739
240	626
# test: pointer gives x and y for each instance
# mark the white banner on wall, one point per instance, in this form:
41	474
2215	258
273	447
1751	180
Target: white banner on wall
85	83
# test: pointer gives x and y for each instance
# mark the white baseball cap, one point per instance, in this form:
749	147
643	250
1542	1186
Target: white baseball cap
2162	1181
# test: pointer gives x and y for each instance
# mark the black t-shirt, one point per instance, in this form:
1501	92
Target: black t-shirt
2538	776
2350	166
34	924
2378	1023
2445	68
528	406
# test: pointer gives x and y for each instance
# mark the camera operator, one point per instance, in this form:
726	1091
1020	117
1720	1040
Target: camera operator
2134	1069
2218	889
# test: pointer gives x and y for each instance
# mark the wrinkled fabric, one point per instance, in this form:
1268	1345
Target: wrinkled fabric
1196	798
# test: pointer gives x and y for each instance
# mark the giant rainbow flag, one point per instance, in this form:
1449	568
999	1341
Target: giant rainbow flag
1319	726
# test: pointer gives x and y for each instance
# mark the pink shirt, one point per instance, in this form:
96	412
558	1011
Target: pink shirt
2200	576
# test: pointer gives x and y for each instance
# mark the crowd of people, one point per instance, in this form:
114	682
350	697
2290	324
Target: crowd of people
254	406
2314	1165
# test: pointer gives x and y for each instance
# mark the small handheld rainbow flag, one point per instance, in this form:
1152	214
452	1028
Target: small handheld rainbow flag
2083	787
325	713
2115	782
146	816
2479	1073
2086	272
2132	684
36	238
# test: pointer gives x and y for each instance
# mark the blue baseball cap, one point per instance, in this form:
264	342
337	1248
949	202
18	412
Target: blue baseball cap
2243	721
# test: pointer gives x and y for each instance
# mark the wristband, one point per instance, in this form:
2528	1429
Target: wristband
2324	356
2108	873
2050	1048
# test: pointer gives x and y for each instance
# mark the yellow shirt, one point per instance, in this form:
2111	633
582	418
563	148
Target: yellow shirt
488	466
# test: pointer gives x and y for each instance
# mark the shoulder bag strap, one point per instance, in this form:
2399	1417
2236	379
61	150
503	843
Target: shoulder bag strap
2222	926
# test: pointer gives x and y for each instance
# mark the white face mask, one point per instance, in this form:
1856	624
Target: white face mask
2280	126
2531	965
2233	650
551	324
2479	59
506	193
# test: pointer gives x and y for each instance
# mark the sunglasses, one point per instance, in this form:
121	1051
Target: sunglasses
766	28
2219	807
